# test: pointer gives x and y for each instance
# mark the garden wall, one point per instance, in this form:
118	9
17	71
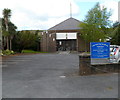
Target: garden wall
86	68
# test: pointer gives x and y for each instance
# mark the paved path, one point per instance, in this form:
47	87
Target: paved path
53	76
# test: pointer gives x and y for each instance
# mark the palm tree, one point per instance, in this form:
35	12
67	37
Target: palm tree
6	16
0	34
12	30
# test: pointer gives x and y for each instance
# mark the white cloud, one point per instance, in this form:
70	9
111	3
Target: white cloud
119	11
38	14
113	5
43	14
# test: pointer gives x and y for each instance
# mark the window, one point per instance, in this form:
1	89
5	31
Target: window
60	36
71	36
66	36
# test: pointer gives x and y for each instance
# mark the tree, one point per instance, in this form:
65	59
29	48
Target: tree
116	34
10	33
36	45
24	39
0	34
96	25
4	34
6	16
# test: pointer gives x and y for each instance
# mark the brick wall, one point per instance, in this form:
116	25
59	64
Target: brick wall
82	44
43	42
48	41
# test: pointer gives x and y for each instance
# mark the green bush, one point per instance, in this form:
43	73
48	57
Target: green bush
1	53
7	52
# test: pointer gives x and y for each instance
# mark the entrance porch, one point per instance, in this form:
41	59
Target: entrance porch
66	45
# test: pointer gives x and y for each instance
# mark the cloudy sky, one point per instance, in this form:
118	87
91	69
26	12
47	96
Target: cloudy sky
43	14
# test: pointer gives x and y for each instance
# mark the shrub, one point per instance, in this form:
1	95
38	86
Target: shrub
7	52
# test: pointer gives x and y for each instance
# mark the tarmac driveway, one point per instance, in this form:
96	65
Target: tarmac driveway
53	76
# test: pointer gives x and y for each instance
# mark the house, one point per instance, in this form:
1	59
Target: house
64	36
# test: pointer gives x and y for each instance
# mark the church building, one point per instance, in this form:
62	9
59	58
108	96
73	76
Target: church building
64	36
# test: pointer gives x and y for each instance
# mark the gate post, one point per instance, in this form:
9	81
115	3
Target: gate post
84	64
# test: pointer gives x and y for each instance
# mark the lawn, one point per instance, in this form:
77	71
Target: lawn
31	51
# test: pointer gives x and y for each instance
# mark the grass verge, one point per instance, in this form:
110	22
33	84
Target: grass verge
31	51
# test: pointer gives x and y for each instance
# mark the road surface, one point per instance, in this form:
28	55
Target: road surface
53	76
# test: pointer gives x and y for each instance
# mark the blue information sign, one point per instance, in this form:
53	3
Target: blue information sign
100	49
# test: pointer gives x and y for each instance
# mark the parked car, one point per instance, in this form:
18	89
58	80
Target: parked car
114	54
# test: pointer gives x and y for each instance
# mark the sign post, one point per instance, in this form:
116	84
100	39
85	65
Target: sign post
100	51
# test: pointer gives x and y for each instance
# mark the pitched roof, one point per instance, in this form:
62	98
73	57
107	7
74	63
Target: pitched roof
68	24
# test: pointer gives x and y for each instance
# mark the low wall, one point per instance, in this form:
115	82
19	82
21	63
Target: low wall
85	67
